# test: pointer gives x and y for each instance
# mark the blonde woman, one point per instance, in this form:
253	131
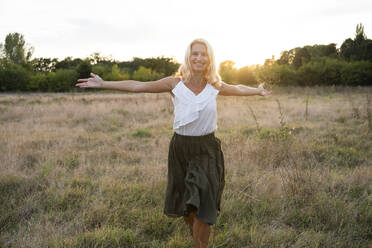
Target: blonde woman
195	160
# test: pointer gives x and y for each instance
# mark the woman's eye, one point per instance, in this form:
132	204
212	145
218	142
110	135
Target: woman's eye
197	54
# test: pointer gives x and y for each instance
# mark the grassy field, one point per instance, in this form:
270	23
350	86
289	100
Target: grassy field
90	169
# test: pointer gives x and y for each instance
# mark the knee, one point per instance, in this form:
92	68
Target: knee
202	226
200	223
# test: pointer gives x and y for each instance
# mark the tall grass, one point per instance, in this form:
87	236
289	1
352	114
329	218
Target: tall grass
89	170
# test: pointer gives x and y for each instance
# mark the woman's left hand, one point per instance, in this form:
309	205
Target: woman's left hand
262	91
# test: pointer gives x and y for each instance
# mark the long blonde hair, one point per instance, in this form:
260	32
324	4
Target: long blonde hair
211	74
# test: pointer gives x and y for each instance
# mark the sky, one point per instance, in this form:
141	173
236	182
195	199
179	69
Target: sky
246	32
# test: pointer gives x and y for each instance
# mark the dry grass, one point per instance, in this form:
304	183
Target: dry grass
87	170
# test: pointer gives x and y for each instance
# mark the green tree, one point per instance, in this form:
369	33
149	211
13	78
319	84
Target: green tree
146	74
101	70
357	73
2	51
359	48
276	74
227	71
286	57
311	74
39	82
62	80
115	74
68	63
84	68
165	66
44	64
318	51
97	59
270	61
347	49
301	57
16	50
13	77
245	75
360	36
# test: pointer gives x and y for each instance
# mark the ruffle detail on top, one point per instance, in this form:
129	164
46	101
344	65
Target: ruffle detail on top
187	105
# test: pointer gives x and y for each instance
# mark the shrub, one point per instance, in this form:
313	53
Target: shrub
39	81
146	74
357	73
142	133
62	80
13	77
115	74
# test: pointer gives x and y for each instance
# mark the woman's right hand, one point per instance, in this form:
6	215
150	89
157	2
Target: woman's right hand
93	82
263	92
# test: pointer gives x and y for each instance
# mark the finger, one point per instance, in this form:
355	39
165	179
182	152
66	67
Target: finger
83	80
83	85
265	93
92	74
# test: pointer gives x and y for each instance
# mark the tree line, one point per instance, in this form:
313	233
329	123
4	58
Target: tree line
351	64
18	72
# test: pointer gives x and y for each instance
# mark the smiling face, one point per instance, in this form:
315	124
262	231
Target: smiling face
199	58
199	61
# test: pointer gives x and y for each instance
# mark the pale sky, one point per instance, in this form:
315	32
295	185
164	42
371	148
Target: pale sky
246	32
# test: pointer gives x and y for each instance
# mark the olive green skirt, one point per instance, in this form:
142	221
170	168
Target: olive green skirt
196	177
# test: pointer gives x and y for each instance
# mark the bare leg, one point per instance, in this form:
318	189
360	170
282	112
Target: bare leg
201	232
190	221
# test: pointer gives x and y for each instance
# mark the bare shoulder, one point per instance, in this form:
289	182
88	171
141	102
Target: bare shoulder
170	81
220	86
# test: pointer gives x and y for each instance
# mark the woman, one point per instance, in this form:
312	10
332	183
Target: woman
195	160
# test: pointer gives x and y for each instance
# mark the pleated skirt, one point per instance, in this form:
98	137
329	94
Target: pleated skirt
196	177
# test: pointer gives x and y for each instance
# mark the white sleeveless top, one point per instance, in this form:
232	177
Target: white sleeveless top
194	115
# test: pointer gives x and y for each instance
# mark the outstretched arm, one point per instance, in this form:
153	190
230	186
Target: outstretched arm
162	85
242	90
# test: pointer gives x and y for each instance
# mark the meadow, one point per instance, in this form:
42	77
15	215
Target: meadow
90	169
